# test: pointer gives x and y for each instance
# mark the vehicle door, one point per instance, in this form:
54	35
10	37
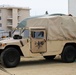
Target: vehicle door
38	41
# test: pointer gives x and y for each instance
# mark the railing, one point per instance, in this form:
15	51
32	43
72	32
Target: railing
4	34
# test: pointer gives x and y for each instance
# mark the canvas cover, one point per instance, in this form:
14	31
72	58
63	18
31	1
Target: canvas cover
58	27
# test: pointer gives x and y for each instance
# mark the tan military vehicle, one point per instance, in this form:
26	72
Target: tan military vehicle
46	36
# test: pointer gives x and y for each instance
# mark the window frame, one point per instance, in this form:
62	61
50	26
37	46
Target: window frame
0	11
0	17
0	24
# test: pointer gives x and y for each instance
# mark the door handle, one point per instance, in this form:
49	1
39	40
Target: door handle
44	40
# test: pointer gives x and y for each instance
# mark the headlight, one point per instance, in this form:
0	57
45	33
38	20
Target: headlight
0	44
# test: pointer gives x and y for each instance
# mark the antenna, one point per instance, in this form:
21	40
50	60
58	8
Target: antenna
46	12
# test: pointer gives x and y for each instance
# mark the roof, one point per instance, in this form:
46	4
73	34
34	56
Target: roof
16	7
23	23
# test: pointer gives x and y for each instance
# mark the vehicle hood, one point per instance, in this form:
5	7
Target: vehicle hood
11	41
8	40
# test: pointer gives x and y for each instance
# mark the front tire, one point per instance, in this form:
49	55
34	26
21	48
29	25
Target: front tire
10	57
69	54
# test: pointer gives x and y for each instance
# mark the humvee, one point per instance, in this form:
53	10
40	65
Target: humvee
45	36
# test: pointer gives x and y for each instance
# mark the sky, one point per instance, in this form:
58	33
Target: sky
39	7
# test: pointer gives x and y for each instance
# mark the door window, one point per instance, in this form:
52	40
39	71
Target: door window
37	35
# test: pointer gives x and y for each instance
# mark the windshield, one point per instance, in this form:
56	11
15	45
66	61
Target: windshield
25	33
17	31
22	32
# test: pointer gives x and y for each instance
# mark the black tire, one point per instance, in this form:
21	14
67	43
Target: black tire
49	57
69	54
10	57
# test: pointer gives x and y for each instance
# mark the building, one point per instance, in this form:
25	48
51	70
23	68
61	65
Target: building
72	7
10	16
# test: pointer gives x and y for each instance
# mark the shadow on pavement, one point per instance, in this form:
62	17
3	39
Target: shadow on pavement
39	62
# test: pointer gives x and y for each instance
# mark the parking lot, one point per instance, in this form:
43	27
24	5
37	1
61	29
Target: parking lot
39	66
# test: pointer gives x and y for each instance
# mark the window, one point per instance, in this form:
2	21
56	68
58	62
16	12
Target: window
0	18
17	32
0	25
25	33
37	35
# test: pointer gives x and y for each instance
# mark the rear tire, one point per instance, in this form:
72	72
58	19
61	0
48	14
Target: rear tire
49	57
10	57
69	54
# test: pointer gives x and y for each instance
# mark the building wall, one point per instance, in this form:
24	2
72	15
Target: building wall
23	13
0	19
4	14
11	16
15	18
72	7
